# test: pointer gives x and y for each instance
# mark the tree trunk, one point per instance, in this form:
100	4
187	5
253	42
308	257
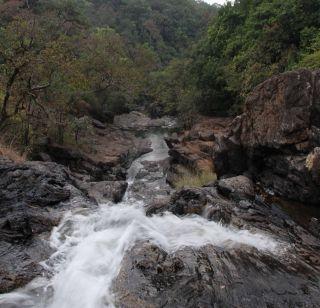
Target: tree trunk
4	110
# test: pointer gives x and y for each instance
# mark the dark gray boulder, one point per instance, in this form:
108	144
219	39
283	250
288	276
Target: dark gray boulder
213	277
33	198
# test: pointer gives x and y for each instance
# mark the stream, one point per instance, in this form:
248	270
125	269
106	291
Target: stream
90	244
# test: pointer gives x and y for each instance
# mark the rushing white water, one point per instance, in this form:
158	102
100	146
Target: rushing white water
90	247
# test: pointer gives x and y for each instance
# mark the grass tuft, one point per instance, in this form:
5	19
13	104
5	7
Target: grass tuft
191	178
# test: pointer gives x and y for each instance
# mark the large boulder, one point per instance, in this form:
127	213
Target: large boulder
224	274
33	198
283	112
276	139
106	191
213	277
239	187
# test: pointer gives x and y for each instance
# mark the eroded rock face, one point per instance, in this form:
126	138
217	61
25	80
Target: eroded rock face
195	148
224	276
33	198
110	153
212	277
282	111
279	132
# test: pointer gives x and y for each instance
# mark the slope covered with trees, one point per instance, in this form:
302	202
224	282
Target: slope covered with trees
168	27
63	60
249	42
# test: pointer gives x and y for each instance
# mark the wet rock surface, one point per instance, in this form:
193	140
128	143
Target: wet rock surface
105	191
222	276
213	277
33	198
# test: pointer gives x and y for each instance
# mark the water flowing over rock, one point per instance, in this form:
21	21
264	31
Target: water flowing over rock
211	277
33	198
195	248
223	273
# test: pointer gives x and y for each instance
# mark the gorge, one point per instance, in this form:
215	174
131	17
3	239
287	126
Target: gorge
73	238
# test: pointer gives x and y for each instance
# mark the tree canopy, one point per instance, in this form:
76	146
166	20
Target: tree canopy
62	60
248	42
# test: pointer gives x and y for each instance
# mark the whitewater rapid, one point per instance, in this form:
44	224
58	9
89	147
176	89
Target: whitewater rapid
90	245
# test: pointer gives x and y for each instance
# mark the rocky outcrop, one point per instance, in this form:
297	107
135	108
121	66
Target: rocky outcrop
109	153
221	276
212	277
280	132
33	198
283	113
137	121
194	148
276	139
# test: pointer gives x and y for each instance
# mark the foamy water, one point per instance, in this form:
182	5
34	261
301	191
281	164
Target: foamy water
91	245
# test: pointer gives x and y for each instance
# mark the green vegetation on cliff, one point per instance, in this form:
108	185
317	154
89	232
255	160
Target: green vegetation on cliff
249	42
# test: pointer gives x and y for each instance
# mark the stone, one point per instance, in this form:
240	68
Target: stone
33	198
188	201
105	191
280	111
314	227
239	187
98	124
213	277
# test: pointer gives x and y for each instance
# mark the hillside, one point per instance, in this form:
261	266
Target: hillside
64	61
168	27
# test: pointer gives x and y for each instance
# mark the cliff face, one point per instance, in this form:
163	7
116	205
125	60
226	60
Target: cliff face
280	133
283	112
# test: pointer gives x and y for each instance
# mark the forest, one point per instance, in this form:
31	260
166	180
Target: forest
63	61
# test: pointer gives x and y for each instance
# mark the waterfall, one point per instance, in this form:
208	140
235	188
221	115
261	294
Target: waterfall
90	245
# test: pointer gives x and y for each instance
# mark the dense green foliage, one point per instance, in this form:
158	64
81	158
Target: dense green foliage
64	60
168	27
251	41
